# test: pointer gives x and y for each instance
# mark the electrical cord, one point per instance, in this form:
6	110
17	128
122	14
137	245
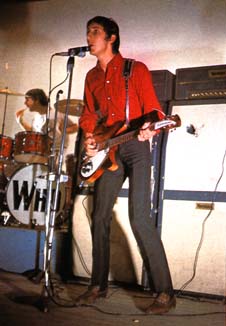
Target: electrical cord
152	315
86	210
82	260
50	77
203	231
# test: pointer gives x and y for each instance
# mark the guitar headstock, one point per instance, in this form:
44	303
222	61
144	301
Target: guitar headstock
175	119
169	122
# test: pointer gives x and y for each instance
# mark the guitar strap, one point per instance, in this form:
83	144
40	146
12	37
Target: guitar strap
127	72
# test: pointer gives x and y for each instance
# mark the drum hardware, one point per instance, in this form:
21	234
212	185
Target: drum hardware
75	107
52	177
63	177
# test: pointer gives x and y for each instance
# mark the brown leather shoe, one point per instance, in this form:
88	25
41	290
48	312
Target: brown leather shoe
162	304
90	296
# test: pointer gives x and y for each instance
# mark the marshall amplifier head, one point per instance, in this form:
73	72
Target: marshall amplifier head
207	82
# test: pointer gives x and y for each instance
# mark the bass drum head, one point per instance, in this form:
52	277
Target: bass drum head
26	194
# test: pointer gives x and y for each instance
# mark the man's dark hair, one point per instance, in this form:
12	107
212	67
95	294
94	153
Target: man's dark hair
110	27
37	94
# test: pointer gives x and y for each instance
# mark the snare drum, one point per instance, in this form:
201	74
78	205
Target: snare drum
6	148
31	147
26	194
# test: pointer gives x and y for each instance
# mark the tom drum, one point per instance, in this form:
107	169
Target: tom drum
6	148
31	147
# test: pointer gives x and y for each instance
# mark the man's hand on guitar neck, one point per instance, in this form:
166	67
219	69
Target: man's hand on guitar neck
90	145
145	133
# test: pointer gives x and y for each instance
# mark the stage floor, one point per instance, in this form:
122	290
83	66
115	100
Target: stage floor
124	306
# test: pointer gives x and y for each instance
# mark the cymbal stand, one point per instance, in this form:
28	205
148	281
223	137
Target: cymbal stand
3	130
54	175
3	121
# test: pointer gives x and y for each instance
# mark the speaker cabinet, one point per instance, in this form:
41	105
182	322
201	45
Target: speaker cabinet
164	84
192	215
125	263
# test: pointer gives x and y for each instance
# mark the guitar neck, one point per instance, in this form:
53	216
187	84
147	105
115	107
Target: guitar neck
166	124
117	140
121	138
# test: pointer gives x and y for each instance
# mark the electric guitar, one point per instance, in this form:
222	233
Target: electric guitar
93	167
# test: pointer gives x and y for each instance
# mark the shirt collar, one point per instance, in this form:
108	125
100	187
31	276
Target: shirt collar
115	62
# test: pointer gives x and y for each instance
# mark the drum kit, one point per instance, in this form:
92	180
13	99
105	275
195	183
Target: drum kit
23	173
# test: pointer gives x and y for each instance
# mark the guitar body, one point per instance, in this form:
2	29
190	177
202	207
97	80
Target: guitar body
102	133
93	167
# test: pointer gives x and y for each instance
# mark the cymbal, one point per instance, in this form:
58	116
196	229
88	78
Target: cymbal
75	107
7	91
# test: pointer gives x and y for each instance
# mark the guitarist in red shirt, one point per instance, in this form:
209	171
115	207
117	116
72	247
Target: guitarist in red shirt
111	102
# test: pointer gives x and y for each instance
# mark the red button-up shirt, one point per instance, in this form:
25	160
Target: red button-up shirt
105	91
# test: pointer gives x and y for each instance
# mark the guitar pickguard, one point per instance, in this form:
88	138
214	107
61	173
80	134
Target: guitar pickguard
92	164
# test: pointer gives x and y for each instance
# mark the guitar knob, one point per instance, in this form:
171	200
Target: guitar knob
87	167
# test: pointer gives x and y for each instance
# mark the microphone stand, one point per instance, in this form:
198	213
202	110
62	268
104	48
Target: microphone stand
54	175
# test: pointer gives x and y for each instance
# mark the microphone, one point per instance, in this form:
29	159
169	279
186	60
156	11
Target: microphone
79	51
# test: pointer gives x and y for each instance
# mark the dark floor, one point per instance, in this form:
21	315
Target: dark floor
21	303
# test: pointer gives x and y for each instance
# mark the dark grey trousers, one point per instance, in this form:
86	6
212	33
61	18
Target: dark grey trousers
134	160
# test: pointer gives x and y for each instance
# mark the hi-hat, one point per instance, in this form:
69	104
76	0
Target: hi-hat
75	107
7	91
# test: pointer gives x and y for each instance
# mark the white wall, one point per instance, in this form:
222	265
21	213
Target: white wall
164	34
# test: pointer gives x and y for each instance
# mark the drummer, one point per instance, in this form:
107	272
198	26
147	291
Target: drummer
36	102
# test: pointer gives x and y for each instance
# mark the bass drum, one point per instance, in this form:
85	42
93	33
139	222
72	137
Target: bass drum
26	195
